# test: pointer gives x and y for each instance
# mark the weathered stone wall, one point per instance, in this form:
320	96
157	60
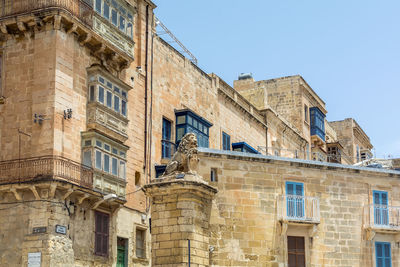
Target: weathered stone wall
244	220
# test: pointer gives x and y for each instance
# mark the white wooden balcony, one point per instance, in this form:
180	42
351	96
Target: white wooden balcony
298	209
382	218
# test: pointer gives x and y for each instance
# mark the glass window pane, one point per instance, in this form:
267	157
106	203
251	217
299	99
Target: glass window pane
87	158
106	147
88	142
122	154
116	89
190	120
106	163
109	99
101	79
114	167
91	93
109	85
122	169
123	107
101	94
130	17
98	6
98	159
116	103
129	29
180	120
123	94
114	17
121	23
179	133
98	143
106	10
115	151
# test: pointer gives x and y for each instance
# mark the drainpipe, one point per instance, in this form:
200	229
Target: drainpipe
151	99
145	94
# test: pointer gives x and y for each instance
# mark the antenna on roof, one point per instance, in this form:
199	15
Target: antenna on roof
175	40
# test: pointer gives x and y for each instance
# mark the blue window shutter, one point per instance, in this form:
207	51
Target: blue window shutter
383	254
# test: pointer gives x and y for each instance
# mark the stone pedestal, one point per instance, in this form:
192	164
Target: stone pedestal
180	213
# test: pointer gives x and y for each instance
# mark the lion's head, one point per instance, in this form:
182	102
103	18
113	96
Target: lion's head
188	141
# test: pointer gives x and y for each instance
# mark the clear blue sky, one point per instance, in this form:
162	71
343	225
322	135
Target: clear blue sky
348	51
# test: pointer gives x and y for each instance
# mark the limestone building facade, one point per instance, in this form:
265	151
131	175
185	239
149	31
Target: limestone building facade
93	104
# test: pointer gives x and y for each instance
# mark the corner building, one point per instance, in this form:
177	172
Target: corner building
74	76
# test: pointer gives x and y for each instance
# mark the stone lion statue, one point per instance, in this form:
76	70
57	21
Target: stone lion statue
185	159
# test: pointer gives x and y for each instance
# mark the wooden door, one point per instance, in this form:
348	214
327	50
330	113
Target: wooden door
296	251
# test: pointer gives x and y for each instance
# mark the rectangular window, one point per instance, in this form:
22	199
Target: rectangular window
106	163
122	23
98	6
294	200
166	139
123	107
101	79
383	254
226	141
98	159
129	29
116	103
101	233
114	166
306	116
213	175
91	93
87	158
296	251
140	243
106	10
101	94
114	17
122	170
109	99
381	209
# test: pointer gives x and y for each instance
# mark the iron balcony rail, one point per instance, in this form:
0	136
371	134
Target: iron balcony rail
382	217
298	209
45	168
81	9
168	149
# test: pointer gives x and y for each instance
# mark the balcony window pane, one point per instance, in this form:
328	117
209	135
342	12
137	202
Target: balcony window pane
98	160
129	29
87	158
122	169
88	142
98	143
106	164
91	93
123	107
106	147
116	103
114	167
114	17
106	10
130	17
180	120
109	99
101	94
109	85
116	89
98	6
122	23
